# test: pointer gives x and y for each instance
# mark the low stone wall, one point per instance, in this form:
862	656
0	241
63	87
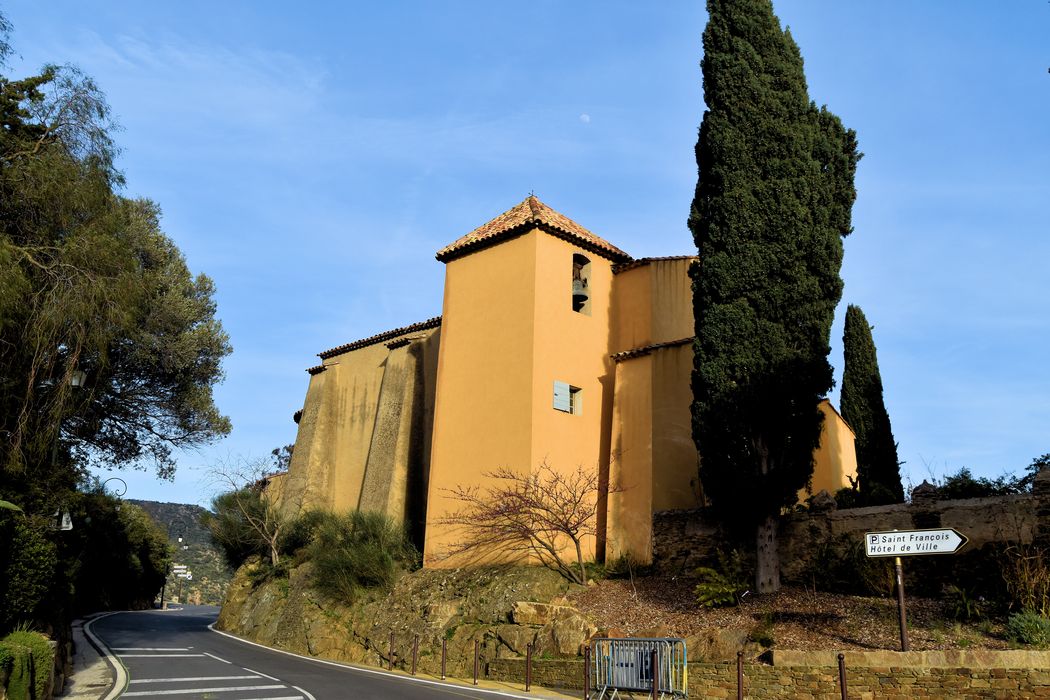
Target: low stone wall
686	539
882	682
548	673
882	675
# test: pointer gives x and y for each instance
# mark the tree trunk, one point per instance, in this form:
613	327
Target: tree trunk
767	565
579	562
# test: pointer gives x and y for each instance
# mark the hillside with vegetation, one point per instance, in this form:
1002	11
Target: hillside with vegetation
211	575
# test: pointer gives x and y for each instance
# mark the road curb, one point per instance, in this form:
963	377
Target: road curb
120	681
532	695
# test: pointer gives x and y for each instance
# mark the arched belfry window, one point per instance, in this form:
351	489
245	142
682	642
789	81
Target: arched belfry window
581	292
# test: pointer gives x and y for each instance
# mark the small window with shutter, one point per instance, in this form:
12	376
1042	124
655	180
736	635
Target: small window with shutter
567	398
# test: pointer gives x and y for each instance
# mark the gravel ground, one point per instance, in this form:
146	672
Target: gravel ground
794	618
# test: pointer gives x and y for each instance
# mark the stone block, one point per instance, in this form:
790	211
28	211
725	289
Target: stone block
528	613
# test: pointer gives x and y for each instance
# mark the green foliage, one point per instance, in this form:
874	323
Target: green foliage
849	496
773	200
211	573
90	286
32	661
840	565
90	283
123	556
29	564
358	551
237	524
863	407
1029	628
724	586
963	484
302	531
962	605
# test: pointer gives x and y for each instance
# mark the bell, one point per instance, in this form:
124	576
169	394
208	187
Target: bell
580	295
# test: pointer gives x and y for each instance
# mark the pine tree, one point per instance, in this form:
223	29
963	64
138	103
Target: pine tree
878	469
773	200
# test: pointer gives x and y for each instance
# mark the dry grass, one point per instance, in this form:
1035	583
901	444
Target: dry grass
795	618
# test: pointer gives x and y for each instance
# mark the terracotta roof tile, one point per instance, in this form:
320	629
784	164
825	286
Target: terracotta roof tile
381	337
531	213
648	349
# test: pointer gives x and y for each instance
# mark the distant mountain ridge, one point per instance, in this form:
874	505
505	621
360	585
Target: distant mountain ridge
211	575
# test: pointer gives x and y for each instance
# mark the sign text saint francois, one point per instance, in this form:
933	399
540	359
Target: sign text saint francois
906	543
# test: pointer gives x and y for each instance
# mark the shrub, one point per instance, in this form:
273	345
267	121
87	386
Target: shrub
840	565
358	551
299	533
29	678
724	586
232	526
28	564
1029	628
961	605
963	484
1026	571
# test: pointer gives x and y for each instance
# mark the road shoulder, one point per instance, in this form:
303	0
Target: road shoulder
92	676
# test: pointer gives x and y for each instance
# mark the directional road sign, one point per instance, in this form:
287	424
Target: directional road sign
907	543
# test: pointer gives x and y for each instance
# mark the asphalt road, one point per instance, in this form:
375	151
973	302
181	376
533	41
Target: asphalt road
173	654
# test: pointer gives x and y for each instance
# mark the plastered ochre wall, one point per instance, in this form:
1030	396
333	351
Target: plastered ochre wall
835	463
653	457
510	332
363	434
483	410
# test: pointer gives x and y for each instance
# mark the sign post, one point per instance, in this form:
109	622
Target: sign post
909	543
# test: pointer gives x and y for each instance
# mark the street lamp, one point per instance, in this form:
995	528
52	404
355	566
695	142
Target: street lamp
122	491
77	378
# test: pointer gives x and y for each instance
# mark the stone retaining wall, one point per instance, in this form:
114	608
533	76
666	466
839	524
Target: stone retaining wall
548	673
711	681
1017	675
686	539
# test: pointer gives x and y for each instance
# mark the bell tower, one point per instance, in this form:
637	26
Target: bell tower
524	378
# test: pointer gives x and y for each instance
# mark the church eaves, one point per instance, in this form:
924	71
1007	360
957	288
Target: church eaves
381	337
530	214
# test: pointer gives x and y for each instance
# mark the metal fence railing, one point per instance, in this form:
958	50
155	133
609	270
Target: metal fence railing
628	665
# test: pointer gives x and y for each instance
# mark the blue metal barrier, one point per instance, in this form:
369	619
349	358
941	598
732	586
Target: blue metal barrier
626	665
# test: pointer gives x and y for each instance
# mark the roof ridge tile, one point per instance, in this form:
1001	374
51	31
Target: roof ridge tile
531	212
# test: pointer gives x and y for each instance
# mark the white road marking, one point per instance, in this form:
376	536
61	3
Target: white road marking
150	649
186	691
261	674
283	697
448	686
160	656
199	679
216	658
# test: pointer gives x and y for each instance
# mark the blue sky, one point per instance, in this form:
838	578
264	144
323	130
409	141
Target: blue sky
312	157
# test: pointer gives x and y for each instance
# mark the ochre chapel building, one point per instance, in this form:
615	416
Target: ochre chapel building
554	347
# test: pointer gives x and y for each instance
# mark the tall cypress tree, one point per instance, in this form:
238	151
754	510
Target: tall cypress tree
878	469
773	200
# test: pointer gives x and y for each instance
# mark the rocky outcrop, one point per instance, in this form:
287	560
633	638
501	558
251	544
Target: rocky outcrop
504	609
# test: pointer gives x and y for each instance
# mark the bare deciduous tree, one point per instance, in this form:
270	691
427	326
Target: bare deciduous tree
248	519
544	513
